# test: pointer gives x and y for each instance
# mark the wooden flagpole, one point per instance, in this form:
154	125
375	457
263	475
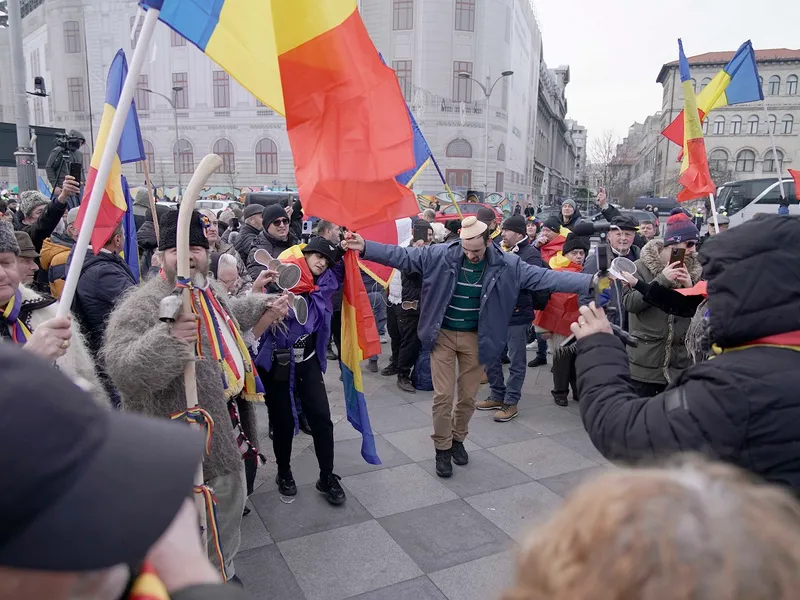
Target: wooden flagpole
152	200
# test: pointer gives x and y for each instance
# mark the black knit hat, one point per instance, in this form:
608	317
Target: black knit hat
575	242
168	226
452	225
321	246
552	223
272	212
486	215
516	224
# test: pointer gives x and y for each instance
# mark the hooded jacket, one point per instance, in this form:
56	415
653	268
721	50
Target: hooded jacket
742	406
140	206
53	260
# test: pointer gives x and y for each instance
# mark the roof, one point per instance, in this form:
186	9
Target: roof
722	58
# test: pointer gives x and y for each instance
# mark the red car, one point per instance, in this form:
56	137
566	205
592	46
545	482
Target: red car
468	209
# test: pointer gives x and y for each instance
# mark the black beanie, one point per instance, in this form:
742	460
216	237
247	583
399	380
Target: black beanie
486	215
452	225
552	223
575	242
272	212
168	231
321	246
516	224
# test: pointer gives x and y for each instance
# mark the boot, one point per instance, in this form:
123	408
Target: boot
459	453
444	468
404	383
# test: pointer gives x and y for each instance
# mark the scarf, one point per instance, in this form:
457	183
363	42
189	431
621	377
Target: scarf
788	341
19	332
294	256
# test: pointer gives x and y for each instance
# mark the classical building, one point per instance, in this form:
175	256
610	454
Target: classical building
736	137
579	139
633	168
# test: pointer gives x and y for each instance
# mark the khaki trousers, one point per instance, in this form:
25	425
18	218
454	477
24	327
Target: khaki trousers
449	422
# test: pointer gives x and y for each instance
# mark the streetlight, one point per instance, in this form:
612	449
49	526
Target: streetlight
488	94
175	90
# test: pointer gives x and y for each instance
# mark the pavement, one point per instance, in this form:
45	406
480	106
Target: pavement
405	533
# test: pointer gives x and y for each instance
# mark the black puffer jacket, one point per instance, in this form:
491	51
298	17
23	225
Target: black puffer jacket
742	406
273	245
244	241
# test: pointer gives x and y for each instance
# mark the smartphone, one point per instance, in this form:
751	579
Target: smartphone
76	170
677	255
421	233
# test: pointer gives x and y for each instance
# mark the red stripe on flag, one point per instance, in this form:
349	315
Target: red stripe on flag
674	131
385	233
796	176
356	296
696	179
108	217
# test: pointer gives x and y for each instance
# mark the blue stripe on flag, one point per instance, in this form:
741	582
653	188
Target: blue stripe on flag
131	248
356	406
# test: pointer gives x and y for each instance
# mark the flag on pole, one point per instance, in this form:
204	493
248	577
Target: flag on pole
396	233
695	176
130	149
736	83
131	250
796	176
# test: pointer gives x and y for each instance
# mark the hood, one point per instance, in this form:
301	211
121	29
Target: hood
650	257
142	198
52	247
753	280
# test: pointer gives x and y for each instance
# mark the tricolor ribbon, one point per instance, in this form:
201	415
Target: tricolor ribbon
19	332
211	523
200	417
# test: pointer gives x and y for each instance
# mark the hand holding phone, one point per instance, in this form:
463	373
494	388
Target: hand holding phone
76	171
677	255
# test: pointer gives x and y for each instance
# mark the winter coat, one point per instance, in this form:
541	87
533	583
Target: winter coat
661	352
140	206
45	225
570	223
506	275
618	315
244	240
53	261
264	241
523	311
146	364
741	407
57	165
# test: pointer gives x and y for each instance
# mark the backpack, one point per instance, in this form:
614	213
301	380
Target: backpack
421	377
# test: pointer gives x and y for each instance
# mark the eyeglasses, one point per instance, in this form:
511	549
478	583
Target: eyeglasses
280	222
691	244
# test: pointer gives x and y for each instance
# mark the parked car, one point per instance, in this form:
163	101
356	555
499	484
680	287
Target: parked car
742	200
468	209
218	205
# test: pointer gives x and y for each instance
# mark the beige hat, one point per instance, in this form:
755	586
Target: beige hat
472	228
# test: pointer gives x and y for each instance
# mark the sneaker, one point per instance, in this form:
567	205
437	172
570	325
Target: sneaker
330	486
404	383
488	404
459	453
385	339
373	366
389	370
444	468
537	362
286	484
508	412
532	346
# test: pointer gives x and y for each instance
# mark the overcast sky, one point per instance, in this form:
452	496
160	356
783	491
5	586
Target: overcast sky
615	48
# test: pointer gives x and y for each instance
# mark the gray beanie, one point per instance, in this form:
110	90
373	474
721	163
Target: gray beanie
571	202
8	241
30	200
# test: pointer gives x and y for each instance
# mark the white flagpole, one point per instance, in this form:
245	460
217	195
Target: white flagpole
714	213
103	171
774	149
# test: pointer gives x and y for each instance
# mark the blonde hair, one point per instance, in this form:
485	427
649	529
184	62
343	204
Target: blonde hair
693	531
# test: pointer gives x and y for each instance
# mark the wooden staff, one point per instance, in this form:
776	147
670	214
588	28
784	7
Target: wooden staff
152	200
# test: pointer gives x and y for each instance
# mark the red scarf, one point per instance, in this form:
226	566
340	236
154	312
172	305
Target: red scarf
306	283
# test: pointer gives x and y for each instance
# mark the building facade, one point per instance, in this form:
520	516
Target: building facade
737	138
579	137
633	168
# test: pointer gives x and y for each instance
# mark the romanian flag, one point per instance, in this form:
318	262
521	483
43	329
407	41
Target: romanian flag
396	233
131	251
796	176
736	83
148	586
695	176
313	61
130	149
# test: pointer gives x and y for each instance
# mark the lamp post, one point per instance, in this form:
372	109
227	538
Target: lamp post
171	102
488	94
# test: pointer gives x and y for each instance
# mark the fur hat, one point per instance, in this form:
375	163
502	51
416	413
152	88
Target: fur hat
552	223
486	215
575	242
516	224
168	225
271	213
680	229
471	227
252	210
30	200
26	247
8	241
321	246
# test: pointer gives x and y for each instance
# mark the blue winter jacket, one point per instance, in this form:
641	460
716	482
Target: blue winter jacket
504	278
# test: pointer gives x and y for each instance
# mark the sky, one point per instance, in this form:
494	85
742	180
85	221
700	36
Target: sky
615	48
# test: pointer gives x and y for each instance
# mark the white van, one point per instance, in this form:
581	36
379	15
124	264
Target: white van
741	200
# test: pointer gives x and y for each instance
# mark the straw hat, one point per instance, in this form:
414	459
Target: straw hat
472	228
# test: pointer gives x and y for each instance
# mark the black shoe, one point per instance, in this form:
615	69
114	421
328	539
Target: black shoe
404	383
330	486
302	423
286	485
390	370
444	468
505	360
373	366
537	362
561	401
330	354
459	453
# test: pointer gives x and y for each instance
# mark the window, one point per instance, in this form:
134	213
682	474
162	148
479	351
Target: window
459	178
498	182
266	157
222	89
181	97
788	122
774	85
402	69
704	83
719	125
705	126
176	39
462	87
75	93
770	164
149	156
753	124
72	37
501	153
773	121
142	97
138	22
224	149
718	161
745	161
736	125
403	14
465	15
791	85
459	148
183	157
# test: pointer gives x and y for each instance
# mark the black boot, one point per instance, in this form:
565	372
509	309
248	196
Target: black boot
444	468
330	486
302	423
389	370
459	453
561	399
286	484
405	384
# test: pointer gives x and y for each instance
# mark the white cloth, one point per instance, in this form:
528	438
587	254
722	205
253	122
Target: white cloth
396	288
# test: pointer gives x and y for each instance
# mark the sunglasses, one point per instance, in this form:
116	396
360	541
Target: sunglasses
691	244
279	222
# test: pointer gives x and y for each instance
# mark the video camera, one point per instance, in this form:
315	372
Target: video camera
69	142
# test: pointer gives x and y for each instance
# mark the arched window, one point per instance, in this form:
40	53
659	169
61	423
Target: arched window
736	125
719	125
791	85
501	152
149	156
266	157
773	121
718	161
694	85
704	83
224	149
183	157
774	86
752	125
788	123
705	126
745	161
459	148
770	164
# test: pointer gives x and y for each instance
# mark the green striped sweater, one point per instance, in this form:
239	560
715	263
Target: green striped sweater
465	304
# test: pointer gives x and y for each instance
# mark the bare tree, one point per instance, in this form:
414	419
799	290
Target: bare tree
161	177
232	177
601	154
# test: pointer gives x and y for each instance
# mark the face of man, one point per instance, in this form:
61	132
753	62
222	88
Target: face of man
713	231
647	230
511	238
475	249
9	276
255	221
567	210
279	228
317	263
577	256
35	214
212	231
12	205
198	262
27	269
621	240
549	234
333	235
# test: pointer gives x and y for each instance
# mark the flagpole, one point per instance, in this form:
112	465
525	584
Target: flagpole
106	161
447	187
714	212
152	199
774	149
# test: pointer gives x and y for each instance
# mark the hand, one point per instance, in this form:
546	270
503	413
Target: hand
601	197
185	328
279	308
592	320
540	241
289	211
354	242
629	279
673	271
178	556
264	278
51	338
419	244
684	278
70	188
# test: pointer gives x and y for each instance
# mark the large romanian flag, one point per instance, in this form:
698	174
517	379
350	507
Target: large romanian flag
396	233
313	61
695	176
736	83
130	149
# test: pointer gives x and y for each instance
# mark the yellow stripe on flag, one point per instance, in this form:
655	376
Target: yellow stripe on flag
713	95
299	21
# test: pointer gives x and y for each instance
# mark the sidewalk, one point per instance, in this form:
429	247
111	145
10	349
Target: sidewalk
405	533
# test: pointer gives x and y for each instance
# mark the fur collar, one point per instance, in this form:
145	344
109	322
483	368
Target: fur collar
650	257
